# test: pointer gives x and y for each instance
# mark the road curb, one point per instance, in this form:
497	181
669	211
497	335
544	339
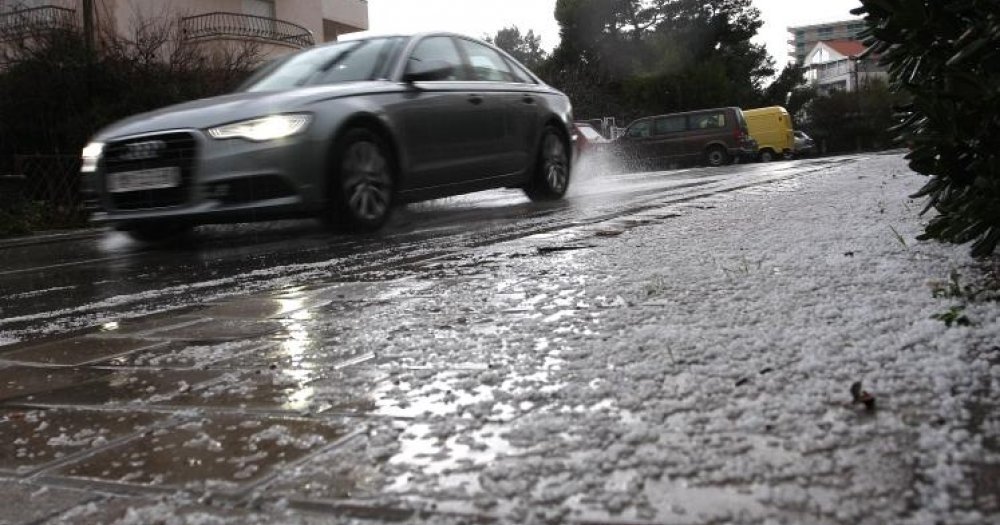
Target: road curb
50	237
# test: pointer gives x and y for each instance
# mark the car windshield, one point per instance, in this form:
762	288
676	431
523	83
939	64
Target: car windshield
350	61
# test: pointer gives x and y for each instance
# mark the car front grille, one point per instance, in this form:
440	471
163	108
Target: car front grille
149	152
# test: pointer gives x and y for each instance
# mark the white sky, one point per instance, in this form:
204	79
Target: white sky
479	17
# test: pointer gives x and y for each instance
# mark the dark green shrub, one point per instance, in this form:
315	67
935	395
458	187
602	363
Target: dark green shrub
856	120
945	54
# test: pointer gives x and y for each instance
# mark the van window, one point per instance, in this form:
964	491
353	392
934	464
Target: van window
708	121
670	125
639	130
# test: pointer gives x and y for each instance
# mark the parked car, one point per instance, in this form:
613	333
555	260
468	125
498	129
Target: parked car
712	136
343	131
588	139
771	127
804	144
593	150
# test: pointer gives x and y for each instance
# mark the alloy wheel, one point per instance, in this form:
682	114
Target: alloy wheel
555	163
367	180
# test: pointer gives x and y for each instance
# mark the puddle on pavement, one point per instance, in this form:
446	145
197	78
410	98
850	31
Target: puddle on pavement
343	391
389	458
374	291
483	395
257	308
220	330
21	381
138	325
34	438
121	388
291	352
77	351
222	452
182	354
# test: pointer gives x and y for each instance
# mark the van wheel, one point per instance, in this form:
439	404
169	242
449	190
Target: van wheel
362	186
550	178
717	156
766	155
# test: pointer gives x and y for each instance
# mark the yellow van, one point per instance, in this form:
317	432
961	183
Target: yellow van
772	128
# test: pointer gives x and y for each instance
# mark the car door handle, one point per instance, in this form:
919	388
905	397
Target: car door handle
476	99
528	99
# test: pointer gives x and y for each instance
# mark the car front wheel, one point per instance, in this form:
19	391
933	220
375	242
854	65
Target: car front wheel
363	186
550	179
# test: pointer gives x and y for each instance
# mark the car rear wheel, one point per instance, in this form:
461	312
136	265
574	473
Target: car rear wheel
550	179
767	155
363	186
717	156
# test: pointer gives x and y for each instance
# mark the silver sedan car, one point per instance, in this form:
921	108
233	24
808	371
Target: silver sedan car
342	131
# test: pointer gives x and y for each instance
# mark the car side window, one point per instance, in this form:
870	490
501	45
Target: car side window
487	64
639	130
439	48
667	125
520	73
708	121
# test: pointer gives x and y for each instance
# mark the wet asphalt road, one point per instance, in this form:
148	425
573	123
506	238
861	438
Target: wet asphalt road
53	287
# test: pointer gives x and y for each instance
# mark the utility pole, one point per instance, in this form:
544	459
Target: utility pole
88	24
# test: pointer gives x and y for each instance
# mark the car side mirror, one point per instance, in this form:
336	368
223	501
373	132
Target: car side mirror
428	71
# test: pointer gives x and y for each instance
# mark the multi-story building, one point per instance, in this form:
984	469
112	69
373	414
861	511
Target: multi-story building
804	38
278	26
834	65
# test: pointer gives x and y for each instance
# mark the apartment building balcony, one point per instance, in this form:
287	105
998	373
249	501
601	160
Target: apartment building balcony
344	16
237	26
33	21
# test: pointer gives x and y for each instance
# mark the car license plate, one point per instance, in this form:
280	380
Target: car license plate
151	179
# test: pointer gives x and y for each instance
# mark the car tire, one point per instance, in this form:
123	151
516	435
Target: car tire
157	233
550	176
717	156
767	155
363	185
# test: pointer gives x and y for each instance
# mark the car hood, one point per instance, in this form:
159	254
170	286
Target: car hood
209	112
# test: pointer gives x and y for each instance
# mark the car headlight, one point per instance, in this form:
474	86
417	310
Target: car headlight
264	128
91	156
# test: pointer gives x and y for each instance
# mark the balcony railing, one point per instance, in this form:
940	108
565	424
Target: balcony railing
236	26
26	22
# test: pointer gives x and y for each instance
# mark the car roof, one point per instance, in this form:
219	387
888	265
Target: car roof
413	37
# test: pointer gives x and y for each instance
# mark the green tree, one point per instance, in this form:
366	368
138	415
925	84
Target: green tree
779	92
659	55
852	120
526	48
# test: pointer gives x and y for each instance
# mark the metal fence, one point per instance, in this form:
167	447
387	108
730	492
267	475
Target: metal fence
18	24
43	192
239	26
